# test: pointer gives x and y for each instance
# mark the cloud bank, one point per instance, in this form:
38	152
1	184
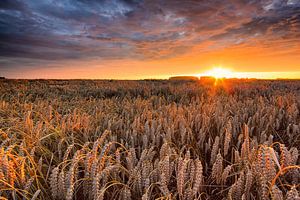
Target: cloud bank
35	32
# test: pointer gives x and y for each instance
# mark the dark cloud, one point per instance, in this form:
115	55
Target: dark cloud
138	29
278	20
12	5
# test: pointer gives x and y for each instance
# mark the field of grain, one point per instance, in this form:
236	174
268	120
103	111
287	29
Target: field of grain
149	140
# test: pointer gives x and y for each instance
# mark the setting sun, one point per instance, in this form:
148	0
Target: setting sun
219	72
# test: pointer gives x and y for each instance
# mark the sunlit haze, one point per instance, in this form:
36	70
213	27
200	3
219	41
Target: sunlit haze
219	72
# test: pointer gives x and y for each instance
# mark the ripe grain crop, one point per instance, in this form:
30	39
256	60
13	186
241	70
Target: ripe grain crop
79	139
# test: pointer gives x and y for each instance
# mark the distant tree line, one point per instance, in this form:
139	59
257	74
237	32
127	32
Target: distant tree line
184	78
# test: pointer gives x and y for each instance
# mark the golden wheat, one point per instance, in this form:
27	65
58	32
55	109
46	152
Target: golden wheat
181	140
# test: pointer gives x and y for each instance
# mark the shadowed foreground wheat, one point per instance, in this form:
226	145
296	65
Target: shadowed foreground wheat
149	140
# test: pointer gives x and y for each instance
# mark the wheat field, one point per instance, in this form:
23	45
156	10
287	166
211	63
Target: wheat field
94	140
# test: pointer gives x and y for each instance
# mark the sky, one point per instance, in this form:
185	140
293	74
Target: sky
136	39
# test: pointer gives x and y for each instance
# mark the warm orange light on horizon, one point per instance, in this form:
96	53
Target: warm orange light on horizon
219	72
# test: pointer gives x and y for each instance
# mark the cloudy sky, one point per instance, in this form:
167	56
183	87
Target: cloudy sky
147	38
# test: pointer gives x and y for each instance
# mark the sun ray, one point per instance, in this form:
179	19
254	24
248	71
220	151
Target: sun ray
219	72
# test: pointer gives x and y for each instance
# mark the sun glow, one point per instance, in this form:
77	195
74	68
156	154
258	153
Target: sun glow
219	72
